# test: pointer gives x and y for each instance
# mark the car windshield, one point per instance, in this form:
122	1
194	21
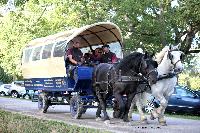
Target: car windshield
184	92
19	83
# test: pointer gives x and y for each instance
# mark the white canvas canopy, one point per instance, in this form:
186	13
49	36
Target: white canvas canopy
95	34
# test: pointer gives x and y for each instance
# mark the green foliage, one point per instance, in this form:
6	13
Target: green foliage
189	80
5	78
16	123
148	24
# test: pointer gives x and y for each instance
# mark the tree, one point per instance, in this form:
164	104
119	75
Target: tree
148	24
157	23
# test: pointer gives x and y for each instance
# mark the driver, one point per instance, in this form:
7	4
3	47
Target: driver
73	56
108	56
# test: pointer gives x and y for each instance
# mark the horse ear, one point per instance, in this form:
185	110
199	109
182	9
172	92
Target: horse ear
170	47
170	56
146	55
177	47
153	54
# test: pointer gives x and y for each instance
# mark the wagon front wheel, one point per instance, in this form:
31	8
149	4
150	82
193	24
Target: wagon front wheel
76	107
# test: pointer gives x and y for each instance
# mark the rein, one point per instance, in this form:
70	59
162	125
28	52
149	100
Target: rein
169	75
166	76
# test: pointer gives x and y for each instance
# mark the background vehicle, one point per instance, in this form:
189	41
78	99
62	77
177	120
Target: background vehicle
4	89
183	100
197	92
17	88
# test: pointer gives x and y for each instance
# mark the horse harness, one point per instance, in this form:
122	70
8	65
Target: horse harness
135	77
166	76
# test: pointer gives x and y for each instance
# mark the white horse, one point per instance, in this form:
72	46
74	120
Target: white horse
169	60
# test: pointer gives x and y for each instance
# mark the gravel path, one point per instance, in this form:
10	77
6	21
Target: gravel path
62	113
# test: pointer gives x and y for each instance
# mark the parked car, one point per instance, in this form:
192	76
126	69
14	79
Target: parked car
197	92
183	100
17	89
4	89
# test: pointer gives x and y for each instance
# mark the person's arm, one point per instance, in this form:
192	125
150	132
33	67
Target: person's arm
114	58
72	60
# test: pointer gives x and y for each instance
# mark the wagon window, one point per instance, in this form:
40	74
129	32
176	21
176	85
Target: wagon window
47	51
59	49
27	54
36	53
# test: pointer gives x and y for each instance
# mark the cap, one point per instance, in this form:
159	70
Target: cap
106	46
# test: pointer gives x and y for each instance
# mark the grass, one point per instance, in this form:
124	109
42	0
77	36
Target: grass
17	123
182	116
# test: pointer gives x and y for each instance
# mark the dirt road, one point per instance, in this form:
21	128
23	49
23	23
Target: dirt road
62	113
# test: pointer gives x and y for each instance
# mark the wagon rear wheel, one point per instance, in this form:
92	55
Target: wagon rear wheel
76	107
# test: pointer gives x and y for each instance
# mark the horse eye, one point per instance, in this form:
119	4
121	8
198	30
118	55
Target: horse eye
170	56
181	57
155	64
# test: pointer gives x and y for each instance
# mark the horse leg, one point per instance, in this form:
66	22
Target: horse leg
98	113
161	118
163	104
139	97
120	101
131	109
102	102
127	106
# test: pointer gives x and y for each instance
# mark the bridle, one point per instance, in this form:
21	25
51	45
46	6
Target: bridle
146	76
174	64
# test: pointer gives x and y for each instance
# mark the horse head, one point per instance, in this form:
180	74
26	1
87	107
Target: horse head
148	68
175	56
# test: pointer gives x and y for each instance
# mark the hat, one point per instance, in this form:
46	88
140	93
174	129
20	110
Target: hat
106	46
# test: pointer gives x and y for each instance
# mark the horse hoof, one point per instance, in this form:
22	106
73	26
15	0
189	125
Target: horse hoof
126	120
152	117
107	122
163	123
144	122
98	119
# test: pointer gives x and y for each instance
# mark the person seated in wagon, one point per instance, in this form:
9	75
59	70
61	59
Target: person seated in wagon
108	56
73	57
97	55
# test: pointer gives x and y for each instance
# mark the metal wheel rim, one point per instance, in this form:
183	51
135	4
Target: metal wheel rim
14	94
149	107
2	94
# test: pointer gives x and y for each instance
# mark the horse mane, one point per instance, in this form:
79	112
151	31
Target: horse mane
159	56
130	61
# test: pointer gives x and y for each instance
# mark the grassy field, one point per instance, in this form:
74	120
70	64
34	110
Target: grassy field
183	116
16	123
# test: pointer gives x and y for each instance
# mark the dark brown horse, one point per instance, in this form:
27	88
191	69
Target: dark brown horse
122	78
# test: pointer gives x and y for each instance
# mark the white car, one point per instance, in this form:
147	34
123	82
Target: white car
4	89
16	89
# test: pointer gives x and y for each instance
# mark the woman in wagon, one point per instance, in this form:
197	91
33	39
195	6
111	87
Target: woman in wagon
108	56
96	56
73	57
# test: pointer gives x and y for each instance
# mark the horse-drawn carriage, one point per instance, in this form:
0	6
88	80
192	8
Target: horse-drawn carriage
43	69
